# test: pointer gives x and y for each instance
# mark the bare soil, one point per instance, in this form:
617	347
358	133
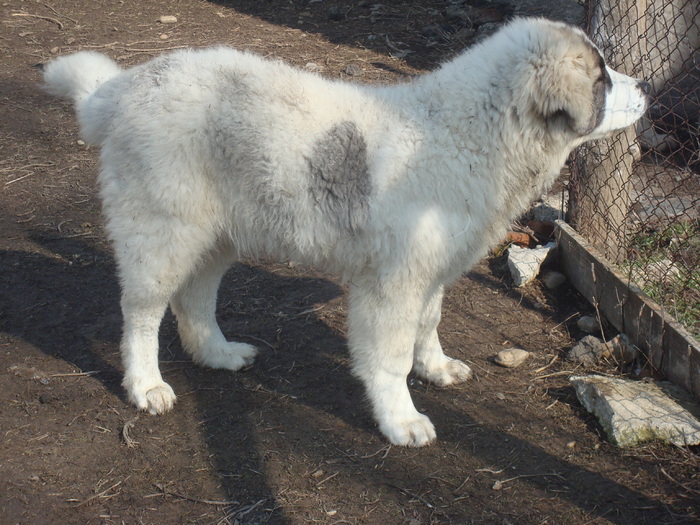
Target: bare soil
290	440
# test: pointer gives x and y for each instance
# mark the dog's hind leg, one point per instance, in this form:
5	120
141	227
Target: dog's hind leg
429	361
154	258
381	335
194	306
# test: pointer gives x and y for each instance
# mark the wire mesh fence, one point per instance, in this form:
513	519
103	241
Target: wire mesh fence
636	196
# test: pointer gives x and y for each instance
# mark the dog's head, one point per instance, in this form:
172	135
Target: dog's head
566	82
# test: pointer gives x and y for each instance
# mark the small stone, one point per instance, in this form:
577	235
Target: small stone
621	350
571	444
456	12
168	19
588	324
313	66
524	264
511	357
553	279
80	142
655	272
353	70
335	13
164	36
587	351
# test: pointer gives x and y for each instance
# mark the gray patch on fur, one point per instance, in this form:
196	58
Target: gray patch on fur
340	182
601	88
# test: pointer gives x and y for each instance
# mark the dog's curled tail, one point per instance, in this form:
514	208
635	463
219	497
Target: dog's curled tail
78	76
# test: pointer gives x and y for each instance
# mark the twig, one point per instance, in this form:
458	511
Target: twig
386	449
561	373
679	483
126	429
414	496
76	374
259	340
498	485
239	513
19	178
326	479
554	360
47	6
40	17
489	470
564	321
100	494
595	302
169	492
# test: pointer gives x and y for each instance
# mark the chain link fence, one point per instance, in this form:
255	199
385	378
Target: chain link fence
636	196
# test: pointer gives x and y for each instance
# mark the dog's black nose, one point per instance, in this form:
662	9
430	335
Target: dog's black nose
645	87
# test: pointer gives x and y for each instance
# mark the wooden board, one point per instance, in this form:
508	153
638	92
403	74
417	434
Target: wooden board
669	346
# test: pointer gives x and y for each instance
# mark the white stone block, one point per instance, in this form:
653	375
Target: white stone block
632	412
524	263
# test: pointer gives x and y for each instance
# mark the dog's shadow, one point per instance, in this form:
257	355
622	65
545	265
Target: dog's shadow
64	301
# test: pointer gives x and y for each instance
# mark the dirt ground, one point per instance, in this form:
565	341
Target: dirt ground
290	440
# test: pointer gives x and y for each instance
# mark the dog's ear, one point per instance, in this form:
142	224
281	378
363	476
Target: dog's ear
562	90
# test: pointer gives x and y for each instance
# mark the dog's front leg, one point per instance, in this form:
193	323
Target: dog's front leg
429	361
382	321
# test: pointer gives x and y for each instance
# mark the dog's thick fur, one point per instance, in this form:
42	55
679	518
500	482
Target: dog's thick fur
210	156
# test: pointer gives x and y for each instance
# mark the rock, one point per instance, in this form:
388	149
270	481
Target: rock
632	412
621	350
587	351
456	12
588	324
655	272
590	350
553	279
313	66
353	70
524	264
168	19
663	210
545	212
487	29
335	13
511	357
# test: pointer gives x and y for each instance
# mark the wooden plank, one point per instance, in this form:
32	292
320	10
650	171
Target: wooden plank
669	346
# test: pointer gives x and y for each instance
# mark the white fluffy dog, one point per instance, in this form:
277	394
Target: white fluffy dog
210	156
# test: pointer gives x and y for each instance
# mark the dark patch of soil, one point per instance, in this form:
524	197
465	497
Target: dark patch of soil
290	440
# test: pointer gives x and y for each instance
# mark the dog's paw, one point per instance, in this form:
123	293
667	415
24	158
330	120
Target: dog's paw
450	372
154	399
415	431
160	399
231	356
